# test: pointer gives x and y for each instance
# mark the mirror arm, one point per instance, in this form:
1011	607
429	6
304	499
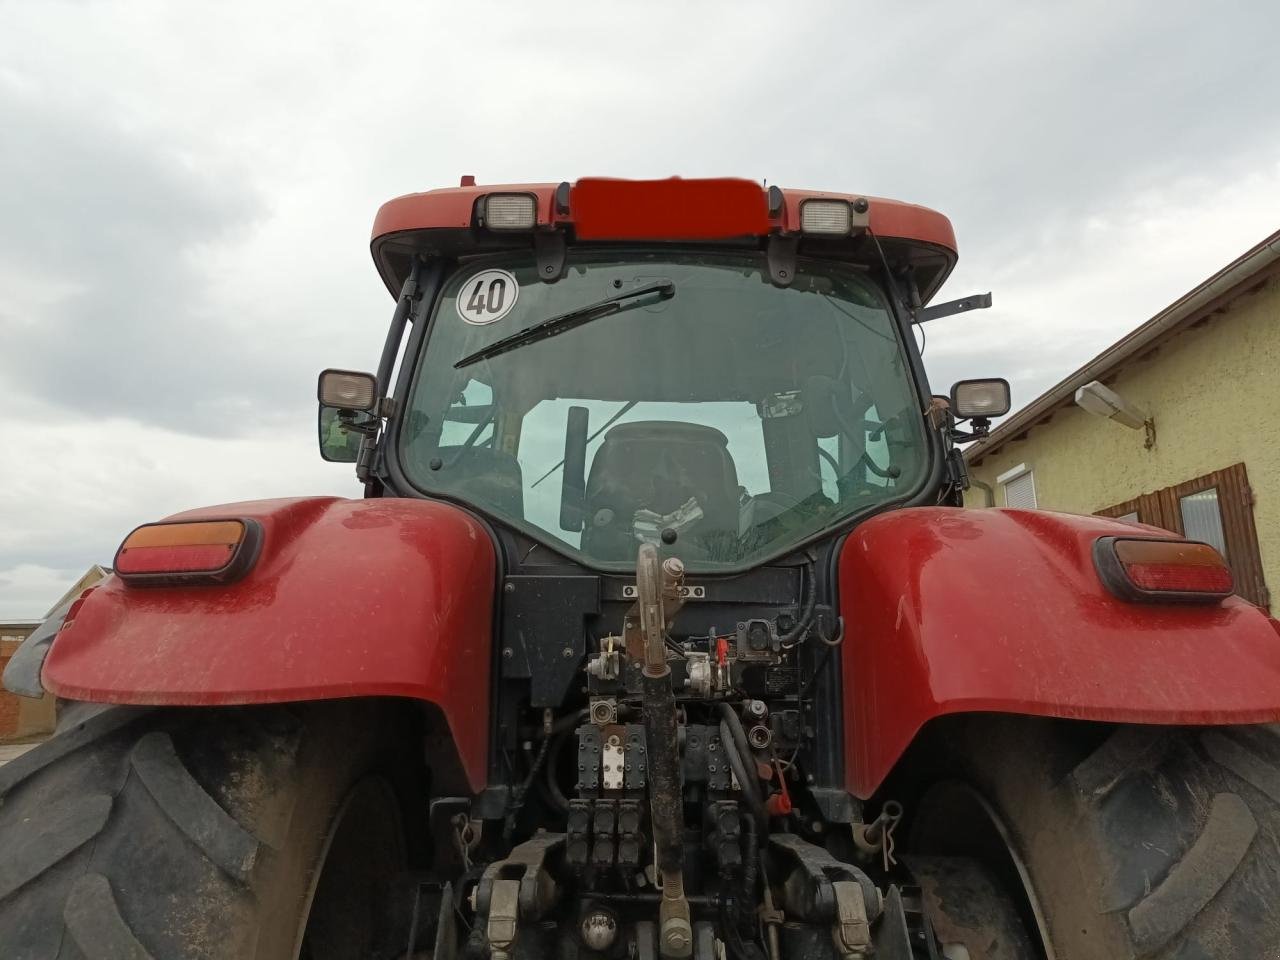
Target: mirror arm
347	421
979	428
979	301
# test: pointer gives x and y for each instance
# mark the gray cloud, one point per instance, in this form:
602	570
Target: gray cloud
117	222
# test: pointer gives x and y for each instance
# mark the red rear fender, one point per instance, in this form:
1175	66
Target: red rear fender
950	611
347	598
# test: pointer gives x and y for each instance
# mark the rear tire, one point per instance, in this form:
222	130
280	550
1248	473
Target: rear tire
1128	842
202	833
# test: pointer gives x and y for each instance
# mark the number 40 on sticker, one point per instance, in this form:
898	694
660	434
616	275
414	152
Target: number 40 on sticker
487	297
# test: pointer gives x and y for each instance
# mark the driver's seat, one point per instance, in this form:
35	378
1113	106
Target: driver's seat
658	465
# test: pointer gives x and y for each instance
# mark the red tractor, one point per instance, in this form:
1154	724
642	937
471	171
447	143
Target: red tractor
660	632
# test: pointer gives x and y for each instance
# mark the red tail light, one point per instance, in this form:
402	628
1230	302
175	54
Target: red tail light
1163	570
207	551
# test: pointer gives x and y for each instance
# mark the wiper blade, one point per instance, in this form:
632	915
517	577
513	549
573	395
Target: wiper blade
640	297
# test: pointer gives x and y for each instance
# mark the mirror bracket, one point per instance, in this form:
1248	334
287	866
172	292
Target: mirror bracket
364	457
979	428
368	428
550	250
781	256
979	301
957	470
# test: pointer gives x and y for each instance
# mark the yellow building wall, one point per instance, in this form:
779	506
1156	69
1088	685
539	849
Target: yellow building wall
1214	391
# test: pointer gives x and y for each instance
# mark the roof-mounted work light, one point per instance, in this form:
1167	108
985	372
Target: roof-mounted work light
509	211
830	217
833	218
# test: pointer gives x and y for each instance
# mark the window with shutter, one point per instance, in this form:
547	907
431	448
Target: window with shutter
1202	518
1021	491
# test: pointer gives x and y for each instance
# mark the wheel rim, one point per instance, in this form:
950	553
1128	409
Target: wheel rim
950	821
362	852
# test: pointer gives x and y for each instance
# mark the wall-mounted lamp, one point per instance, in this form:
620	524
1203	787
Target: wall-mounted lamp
1097	399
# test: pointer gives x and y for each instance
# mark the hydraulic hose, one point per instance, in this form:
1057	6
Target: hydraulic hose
750	863
555	796
518	794
796	633
738	760
735	946
566	722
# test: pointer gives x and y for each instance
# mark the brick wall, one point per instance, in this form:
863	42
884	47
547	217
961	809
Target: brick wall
10	706
22	717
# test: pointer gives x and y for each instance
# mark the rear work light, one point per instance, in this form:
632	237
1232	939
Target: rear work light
347	390
980	398
204	551
833	218
1163	570
510	211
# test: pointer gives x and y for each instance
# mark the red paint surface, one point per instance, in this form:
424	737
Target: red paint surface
348	598
452	208
951	611
672	209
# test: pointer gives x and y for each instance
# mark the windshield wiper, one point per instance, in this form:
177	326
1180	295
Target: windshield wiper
640	297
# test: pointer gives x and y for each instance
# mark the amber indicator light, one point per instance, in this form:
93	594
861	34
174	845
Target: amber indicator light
1159	570
211	551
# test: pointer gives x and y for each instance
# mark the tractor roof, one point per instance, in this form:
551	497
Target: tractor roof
449	221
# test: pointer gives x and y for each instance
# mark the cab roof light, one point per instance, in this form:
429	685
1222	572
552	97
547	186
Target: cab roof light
205	551
833	218
1158	570
510	211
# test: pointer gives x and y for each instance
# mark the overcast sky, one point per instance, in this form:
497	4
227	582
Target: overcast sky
186	192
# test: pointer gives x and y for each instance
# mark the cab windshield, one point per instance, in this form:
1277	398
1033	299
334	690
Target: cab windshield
726	419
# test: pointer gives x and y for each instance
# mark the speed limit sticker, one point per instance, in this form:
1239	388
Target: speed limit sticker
487	297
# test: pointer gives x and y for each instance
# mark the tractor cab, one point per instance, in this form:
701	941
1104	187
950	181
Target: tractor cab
702	363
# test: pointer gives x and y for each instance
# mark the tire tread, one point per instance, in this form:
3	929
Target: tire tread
1254	770
101	725
191	809
1195	879
1127	748
65	828
94	922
